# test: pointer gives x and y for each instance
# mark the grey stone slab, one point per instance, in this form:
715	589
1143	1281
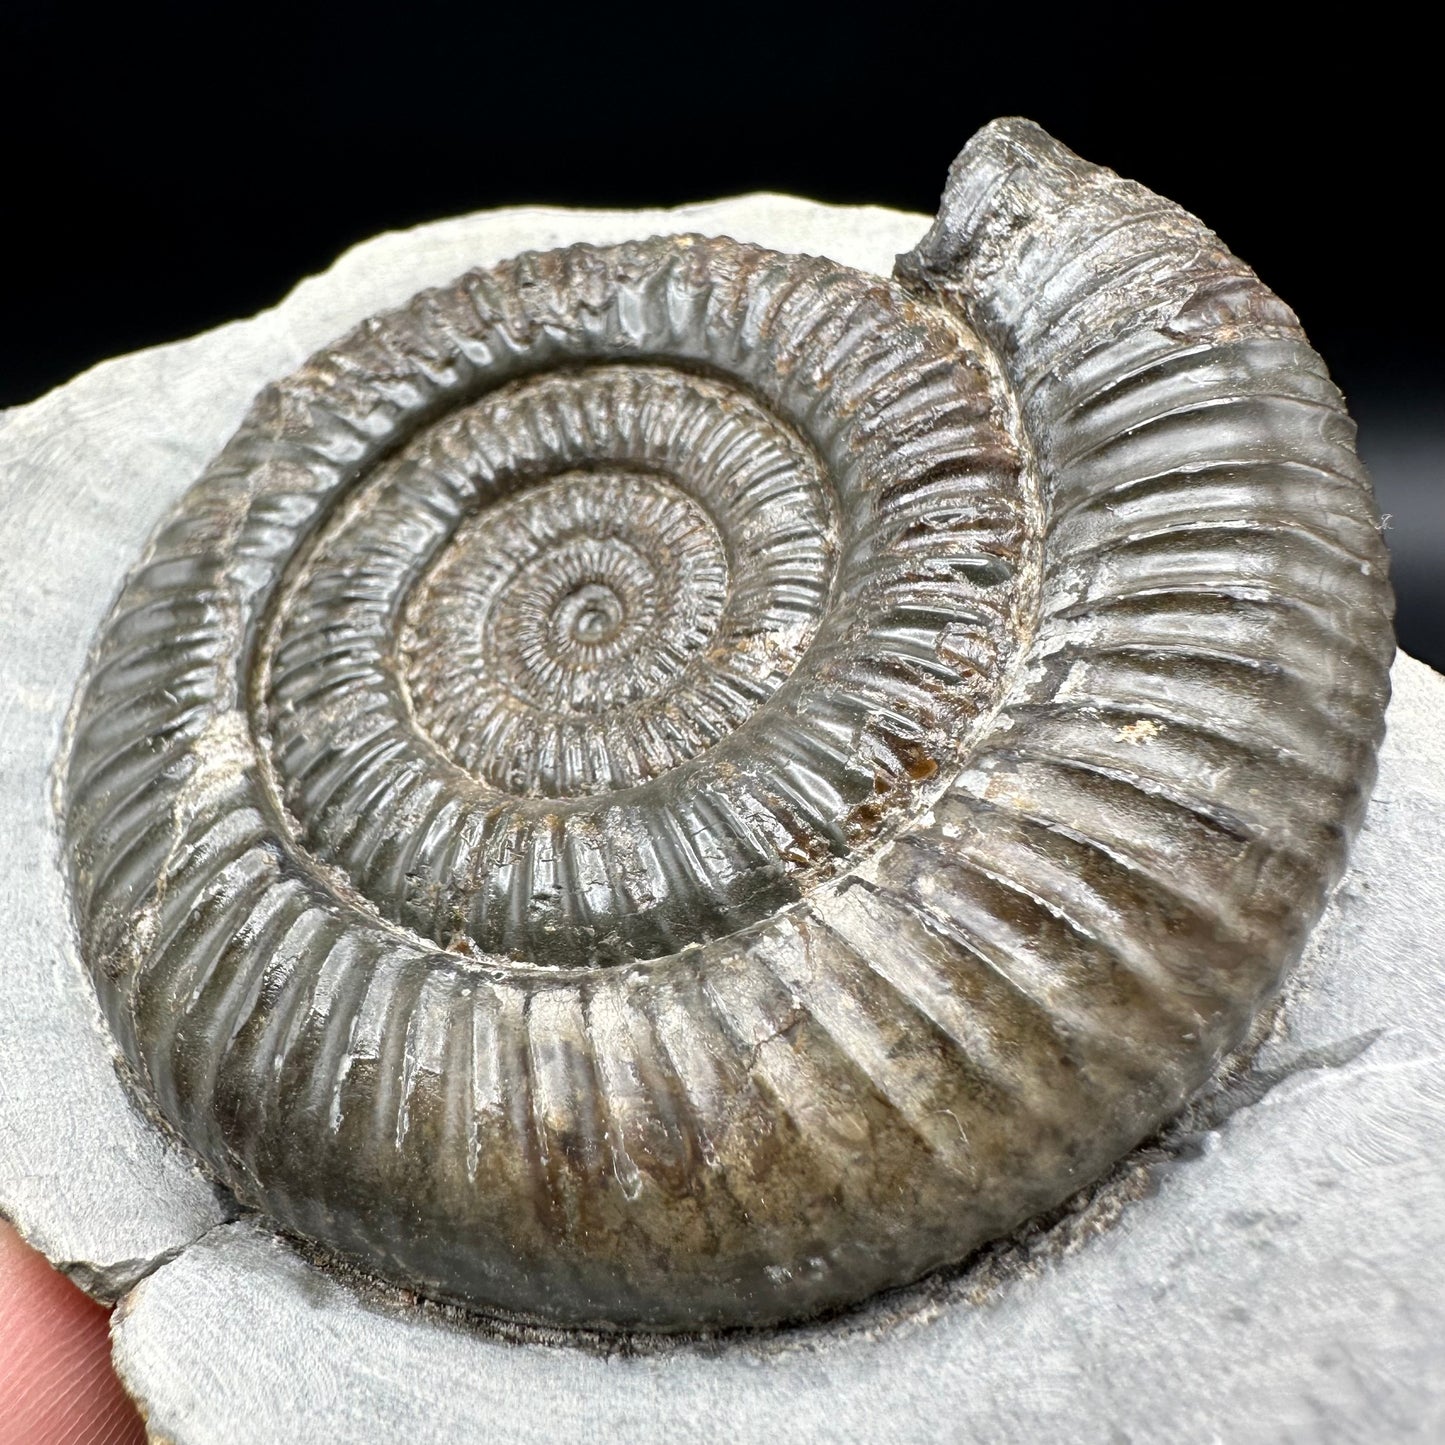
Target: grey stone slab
1274	1271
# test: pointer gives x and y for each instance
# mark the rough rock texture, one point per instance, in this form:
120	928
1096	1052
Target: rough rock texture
1273	1271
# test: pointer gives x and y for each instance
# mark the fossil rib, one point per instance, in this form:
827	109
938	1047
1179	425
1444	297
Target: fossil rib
674	785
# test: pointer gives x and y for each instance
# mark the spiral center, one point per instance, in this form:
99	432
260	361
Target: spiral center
592	614
558	627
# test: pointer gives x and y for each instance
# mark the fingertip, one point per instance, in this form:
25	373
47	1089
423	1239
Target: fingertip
57	1384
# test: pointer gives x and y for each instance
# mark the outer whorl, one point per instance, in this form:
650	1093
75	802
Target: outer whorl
675	785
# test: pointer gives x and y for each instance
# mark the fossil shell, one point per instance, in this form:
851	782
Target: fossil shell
675	785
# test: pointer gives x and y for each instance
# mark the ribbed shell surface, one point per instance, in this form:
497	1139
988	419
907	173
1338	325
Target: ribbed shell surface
672	785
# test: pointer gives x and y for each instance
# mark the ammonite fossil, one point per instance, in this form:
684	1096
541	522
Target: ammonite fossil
675	785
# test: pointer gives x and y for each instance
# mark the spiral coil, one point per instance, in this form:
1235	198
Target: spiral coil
674	785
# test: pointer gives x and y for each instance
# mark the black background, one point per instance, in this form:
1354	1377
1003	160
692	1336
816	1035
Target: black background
170	166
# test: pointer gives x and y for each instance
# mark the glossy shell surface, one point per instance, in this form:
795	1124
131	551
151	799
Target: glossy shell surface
675	785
